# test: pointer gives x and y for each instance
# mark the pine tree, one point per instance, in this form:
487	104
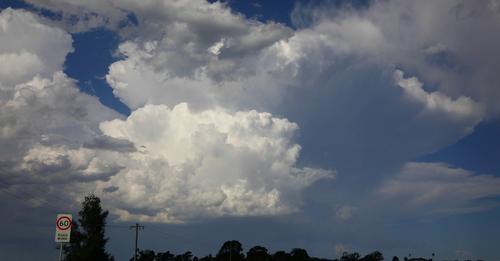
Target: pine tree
90	243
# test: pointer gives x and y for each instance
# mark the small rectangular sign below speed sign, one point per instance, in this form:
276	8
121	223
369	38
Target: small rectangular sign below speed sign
63	228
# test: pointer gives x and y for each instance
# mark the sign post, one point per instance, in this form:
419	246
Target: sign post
63	230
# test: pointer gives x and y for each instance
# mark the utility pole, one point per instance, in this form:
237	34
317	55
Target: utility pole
60	251
137	227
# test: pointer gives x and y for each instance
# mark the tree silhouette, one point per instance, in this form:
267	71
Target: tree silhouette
299	254
258	253
90	243
187	256
166	256
233	250
350	256
75	244
207	258
230	251
374	256
282	256
145	255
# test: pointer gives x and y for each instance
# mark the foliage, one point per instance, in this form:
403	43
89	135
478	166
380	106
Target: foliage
374	256
89	242
233	251
350	256
230	251
299	254
258	253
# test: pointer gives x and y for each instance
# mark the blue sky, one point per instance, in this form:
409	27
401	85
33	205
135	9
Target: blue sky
328	125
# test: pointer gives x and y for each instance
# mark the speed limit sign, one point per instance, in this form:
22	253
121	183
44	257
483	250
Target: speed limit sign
63	227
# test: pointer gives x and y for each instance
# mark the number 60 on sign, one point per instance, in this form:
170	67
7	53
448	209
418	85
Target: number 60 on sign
63	228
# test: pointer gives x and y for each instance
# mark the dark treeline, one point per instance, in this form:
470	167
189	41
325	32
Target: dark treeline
88	242
233	251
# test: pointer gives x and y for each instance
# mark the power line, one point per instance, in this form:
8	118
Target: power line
118	226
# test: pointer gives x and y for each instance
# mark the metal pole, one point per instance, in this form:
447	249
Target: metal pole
136	236
60	251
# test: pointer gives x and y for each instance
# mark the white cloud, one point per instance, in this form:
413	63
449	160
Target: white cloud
189	164
216	48
305	68
192	51
45	122
447	44
436	101
436	188
60	164
75	17
244	64
38	101
335	78
209	163
29	47
168	58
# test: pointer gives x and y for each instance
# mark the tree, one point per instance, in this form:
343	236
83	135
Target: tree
145	255
282	256
374	256
349	257
299	254
75	244
230	250
257	253
207	258
187	256
395	258
90	243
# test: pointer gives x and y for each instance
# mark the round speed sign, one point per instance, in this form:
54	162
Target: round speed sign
63	223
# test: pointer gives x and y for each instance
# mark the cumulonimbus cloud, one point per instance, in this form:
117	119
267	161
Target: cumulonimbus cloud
160	164
334	77
208	163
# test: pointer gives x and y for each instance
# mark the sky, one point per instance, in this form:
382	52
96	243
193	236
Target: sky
326	125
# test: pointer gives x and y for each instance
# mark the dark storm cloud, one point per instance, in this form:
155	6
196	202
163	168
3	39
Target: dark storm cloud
109	143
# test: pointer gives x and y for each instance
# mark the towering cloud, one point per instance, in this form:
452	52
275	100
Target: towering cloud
372	85
161	164
227	111
208	163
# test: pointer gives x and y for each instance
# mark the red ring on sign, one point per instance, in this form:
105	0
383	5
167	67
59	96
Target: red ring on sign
61	218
